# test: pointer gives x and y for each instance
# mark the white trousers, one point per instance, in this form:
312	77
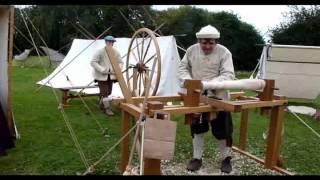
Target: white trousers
198	145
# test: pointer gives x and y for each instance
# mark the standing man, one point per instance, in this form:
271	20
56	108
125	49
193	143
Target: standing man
209	61
103	73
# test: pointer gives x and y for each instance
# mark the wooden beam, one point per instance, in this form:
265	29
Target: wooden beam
283	171
255	158
247	98
235	95
117	70
273	103
275	96
243	129
221	104
125	143
131	109
150	98
274	136
261	161
153	105
189	110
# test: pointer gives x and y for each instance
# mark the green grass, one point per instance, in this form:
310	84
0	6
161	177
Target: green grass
46	146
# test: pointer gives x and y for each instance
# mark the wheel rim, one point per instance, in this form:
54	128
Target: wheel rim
143	50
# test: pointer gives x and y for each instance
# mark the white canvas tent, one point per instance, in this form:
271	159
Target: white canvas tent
296	69
76	71
7	126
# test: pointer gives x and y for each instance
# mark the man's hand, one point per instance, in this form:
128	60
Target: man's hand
106	72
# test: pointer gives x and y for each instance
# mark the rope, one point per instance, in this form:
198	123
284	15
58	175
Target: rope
39	36
304	123
24	36
132	28
111	149
84	34
90	34
75	140
74	58
85	104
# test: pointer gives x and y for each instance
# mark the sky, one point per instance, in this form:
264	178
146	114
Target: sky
262	17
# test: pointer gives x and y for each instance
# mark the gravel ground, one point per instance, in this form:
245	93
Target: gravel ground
241	165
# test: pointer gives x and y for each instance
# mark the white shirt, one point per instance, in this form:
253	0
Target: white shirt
216	66
101	64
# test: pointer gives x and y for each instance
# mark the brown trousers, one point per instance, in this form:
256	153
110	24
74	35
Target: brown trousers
105	88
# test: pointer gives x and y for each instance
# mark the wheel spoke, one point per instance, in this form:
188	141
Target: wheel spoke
138	49
154	56
135	76
145	54
142	47
139	85
135	57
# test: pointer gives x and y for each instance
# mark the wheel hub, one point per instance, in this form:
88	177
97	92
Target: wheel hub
141	68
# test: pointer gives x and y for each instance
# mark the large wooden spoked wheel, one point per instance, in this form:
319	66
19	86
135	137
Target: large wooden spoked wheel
142	52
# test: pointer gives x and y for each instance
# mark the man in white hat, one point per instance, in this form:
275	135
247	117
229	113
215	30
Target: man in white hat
209	61
103	73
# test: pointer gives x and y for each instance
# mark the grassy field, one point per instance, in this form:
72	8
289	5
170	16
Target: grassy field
46	146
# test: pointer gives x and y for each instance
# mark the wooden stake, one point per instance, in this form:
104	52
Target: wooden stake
267	95
243	129
117	70
10	55
274	136
192	99
125	143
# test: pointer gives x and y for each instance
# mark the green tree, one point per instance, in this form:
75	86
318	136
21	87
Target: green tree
239	37
59	25
301	27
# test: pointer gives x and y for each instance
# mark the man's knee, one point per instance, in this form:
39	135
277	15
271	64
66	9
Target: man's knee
106	102
199	125
222	126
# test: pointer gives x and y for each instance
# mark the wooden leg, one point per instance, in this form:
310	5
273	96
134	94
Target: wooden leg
243	129
65	97
125	142
152	166
274	136
280	160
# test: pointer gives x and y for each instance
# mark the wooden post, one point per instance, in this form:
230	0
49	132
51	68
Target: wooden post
10	55
192	98
124	88
274	136
125	143
152	166
243	129
267	95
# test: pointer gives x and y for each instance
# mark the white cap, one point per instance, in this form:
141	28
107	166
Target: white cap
208	32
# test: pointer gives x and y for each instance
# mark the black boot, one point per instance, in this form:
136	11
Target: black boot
226	166
194	164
